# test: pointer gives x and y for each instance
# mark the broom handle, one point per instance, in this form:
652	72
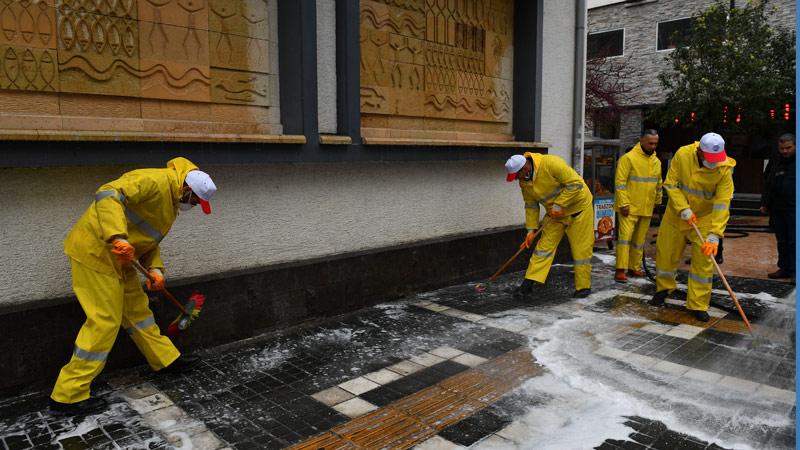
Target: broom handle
510	260
725	282
164	291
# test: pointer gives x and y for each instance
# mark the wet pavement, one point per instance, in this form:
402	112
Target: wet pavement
460	367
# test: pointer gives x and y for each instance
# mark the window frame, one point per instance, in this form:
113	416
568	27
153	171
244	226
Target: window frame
658	25
607	31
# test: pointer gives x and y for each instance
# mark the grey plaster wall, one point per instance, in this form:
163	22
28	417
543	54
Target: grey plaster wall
326	65
263	214
557	76
640	24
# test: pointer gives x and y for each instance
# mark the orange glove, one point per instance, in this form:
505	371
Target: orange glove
709	248
556	212
689	216
124	251
710	245
528	240
155	282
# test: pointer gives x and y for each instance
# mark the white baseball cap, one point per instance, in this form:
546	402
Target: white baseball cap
514	165
203	187
713	147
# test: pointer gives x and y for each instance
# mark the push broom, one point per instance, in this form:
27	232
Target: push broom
727	286
189	312
480	287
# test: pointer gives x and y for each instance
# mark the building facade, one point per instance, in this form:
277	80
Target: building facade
640	31
358	146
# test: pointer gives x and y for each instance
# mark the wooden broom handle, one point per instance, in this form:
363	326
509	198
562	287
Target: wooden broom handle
164	291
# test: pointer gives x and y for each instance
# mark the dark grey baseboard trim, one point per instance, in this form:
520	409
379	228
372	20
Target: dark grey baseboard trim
38	339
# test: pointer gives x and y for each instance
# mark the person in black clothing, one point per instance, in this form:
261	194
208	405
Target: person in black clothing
778	201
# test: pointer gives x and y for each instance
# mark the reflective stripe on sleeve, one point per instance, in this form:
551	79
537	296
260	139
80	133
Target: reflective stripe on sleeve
532	205
105	194
721	206
621	187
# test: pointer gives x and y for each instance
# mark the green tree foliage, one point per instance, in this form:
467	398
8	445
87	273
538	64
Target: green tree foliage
731	61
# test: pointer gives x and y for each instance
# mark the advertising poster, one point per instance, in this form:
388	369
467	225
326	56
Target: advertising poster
603	219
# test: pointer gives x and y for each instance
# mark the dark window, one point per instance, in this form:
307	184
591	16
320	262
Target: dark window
605	44
672	33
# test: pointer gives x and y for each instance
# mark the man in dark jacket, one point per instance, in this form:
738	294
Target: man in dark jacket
778	201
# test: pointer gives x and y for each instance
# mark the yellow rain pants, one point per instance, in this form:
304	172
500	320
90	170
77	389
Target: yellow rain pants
670	243
630	243
109	302
580	233
708	193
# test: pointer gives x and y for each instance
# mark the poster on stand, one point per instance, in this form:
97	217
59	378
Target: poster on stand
603	219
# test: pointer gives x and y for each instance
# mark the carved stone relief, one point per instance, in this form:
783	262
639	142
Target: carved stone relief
195	51
447	62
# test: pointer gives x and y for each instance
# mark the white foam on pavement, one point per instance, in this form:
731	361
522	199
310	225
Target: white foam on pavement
591	395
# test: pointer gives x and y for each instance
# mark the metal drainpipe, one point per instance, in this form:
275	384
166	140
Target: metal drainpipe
579	89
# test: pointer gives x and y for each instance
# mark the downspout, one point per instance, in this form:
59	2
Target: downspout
579	89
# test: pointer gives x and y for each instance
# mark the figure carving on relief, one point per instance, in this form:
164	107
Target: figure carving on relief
157	33
225	11
255	15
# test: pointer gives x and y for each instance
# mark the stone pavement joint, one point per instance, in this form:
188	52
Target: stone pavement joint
413	419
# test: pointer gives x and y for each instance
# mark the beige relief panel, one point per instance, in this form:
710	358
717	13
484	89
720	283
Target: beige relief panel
437	69
204	67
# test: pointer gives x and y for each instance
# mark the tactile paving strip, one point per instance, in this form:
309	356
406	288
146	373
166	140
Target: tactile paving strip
417	417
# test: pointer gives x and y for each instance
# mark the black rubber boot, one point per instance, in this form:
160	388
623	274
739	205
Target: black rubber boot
184	363
525	288
581	293
659	298
91	405
702	316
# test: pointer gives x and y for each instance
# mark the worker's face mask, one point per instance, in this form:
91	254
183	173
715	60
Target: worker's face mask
709	165
185	203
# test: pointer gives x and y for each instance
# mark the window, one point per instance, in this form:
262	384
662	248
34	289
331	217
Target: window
671	33
605	44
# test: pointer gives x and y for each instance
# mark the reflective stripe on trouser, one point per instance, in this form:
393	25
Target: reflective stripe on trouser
108	302
670	244
630	244
580	233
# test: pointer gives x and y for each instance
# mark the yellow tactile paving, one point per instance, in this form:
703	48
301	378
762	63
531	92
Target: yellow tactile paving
412	419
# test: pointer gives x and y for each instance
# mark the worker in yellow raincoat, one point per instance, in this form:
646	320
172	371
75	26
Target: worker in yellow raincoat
636	192
548	181
699	184
127	219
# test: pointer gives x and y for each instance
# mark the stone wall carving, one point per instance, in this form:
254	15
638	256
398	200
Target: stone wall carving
204	66
437	69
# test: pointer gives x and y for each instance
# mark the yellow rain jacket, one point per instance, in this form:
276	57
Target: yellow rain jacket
553	183
638	182
707	192
139	206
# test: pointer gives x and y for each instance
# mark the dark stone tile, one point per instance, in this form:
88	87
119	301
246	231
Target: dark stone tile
474	428
382	396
